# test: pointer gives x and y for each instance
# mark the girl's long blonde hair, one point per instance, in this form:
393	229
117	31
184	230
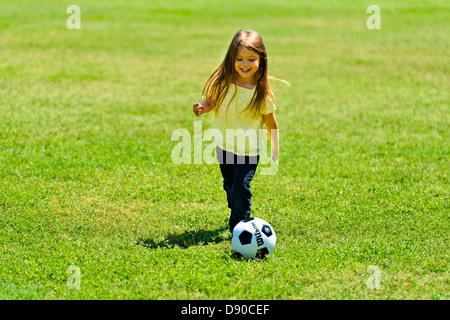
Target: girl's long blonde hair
224	76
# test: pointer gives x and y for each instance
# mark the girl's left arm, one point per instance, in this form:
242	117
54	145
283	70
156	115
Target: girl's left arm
272	127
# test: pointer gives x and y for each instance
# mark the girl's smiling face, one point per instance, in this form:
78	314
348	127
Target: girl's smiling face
246	64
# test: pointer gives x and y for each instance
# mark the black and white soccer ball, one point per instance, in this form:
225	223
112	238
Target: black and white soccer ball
253	238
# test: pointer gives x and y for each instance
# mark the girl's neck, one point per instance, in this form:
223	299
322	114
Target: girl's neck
245	84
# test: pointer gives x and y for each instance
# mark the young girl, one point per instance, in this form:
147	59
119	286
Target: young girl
239	93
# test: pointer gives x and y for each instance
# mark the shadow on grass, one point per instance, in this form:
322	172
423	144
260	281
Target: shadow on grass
187	239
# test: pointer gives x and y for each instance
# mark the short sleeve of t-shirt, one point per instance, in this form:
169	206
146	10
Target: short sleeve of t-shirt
269	106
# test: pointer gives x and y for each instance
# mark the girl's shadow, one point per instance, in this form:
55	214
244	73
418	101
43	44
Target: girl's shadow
187	239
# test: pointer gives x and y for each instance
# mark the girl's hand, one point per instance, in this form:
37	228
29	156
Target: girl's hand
275	154
198	109
272	128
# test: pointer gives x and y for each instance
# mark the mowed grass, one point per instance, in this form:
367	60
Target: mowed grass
87	179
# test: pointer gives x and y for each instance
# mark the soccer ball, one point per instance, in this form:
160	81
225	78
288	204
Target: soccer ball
253	238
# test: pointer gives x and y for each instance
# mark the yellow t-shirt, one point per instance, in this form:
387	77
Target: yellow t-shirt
241	134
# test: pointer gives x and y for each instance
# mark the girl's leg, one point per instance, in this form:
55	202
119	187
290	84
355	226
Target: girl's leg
227	170
240	190
237	173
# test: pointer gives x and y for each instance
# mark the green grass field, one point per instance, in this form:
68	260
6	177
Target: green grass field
87	180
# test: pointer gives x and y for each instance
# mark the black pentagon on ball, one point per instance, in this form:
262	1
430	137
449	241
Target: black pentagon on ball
245	237
267	230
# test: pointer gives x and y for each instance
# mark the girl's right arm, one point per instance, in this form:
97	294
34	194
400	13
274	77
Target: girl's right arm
201	108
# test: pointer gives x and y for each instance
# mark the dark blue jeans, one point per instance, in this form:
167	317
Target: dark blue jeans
237	172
